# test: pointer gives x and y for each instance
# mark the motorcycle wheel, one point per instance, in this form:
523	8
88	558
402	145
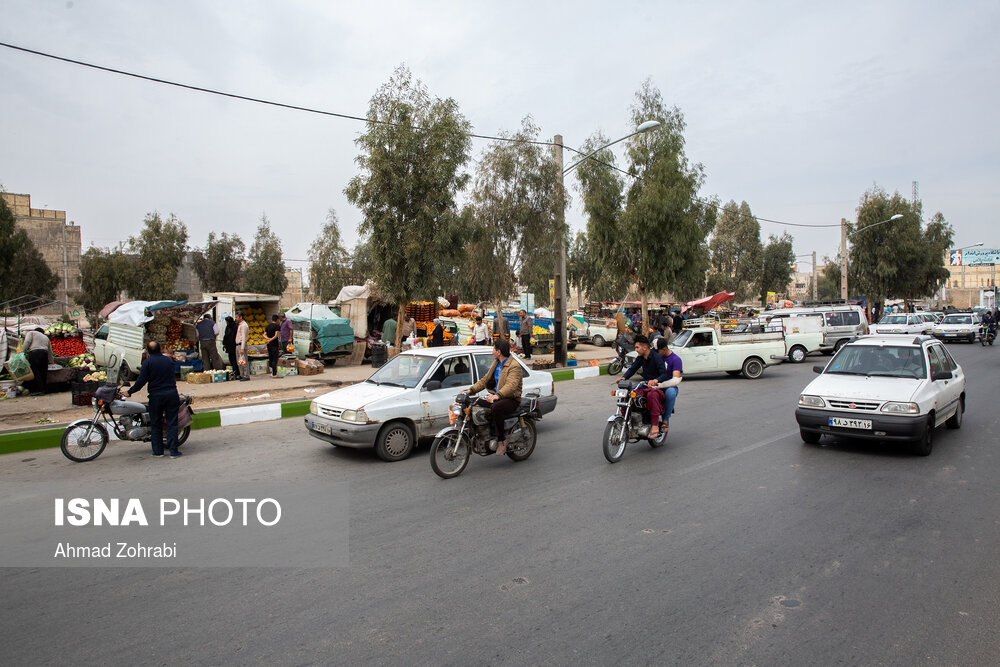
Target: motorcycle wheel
443	463
615	439
183	435
658	441
75	448
615	367
524	445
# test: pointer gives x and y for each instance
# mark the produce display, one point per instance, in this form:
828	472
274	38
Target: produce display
97	376
68	347
166	326
83	362
421	311
61	329
257	321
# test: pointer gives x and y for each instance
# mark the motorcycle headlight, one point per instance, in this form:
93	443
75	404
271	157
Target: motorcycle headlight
354	416
456	410
901	408
808	401
313	408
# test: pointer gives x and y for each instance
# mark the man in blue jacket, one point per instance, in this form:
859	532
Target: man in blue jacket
654	371
158	371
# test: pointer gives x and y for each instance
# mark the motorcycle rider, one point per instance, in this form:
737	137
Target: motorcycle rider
164	402
654	370
988	323
675	368
503	381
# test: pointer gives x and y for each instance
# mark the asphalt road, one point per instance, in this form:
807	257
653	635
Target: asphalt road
733	544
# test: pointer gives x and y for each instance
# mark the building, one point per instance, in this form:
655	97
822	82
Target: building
57	241
801	285
972	276
295	292
187	282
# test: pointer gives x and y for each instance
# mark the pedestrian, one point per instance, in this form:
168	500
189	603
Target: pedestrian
271	333
480	332
287	337
437	334
527	328
501	328
229	343
208	331
242	336
389	331
158	370
37	347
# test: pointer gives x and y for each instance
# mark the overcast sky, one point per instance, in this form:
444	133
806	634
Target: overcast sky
795	107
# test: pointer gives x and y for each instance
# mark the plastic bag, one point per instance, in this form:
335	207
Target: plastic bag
18	365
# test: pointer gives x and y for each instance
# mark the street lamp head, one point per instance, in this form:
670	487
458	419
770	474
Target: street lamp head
897	216
648	125
976	245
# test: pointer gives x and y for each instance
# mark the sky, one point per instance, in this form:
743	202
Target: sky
796	108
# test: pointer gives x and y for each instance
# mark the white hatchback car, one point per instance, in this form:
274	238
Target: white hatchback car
959	326
884	388
902	323
408	398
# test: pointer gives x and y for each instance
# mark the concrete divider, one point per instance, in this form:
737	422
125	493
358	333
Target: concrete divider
24	441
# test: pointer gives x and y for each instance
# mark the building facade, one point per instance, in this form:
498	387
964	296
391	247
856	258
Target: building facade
57	241
972	276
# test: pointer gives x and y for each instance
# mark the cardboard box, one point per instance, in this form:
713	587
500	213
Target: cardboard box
287	370
217	376
199	378
258	367
310	367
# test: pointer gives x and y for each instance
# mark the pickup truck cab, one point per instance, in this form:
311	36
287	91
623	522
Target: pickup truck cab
704	349
125	341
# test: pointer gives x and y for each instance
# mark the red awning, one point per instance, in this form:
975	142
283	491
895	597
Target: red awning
709	302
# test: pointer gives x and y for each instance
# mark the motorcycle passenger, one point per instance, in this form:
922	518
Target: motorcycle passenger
158	371
675	368
988	323
654	371
503	382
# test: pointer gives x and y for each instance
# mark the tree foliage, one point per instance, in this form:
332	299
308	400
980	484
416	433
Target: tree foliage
516	201
219	265
828	284
778	257
103	275
23	268
605	274
329	263
737	252
154	257
901	259
411	157
265	273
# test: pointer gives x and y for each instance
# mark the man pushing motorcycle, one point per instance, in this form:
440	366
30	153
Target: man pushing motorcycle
654	371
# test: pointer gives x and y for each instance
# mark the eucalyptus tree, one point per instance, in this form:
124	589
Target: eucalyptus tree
220	264
155	254
737	252
329	262
265	272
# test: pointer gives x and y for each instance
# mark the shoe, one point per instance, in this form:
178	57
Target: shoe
244	379
501	449
175	455
157	456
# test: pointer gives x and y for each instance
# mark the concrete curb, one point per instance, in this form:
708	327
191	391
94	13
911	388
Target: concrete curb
24	441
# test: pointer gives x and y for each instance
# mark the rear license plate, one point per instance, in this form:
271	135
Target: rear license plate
323	428
843	422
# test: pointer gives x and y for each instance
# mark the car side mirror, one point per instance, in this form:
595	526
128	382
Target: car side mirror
432	385
819	369
941	375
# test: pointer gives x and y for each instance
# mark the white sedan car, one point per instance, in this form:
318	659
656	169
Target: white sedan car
884	388
959	326
902	323
408	399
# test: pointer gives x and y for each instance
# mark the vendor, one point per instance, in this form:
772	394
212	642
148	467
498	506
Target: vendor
38	349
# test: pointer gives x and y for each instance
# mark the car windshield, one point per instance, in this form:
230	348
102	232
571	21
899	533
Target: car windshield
404	370
887	361
893	319
682	338
957	319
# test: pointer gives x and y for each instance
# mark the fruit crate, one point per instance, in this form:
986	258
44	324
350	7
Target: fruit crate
83	392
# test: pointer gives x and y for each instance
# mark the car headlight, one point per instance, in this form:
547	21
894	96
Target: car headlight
901	408
354	416
811	401
313	408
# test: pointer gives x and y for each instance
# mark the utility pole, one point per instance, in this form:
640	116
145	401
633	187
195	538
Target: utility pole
559	339
843	259
815	290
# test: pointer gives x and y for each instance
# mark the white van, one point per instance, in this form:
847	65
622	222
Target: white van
841	322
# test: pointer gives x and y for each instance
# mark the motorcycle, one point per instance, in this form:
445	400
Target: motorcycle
85	439
623	346
471	431
630	422
988	335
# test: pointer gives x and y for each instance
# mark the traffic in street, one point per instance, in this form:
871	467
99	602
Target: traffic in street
734	543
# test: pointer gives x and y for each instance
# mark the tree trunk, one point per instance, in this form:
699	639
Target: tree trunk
400	318
644	313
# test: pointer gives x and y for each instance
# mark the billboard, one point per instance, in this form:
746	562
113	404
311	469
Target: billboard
974	257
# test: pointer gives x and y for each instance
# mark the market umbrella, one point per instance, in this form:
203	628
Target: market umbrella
709	302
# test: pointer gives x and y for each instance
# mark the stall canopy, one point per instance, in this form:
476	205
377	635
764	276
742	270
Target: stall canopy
110	308
134	312
709	302
331	331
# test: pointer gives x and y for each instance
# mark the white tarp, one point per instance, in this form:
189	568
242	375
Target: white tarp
353	292
314	311
133	312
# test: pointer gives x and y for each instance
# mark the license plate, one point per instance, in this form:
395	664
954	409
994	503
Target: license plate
950	335
321	428
843	422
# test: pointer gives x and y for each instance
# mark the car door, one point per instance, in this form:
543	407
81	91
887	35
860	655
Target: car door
944	390
454	372
702	353
101	346
956	385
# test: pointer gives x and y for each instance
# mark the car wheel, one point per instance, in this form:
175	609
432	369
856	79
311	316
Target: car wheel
840	343
797	354
809	437
923	446
753	368
955	421
394	442
598	340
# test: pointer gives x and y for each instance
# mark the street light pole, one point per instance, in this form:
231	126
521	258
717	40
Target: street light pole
559	317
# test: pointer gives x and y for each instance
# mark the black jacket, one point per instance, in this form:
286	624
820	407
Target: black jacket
229	338
437	336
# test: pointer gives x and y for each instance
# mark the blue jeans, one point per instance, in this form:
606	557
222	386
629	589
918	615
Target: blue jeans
669	398
163	405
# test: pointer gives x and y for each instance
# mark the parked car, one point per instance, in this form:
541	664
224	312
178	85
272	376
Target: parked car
705	350
901	323
841	322
884	387
959	326
408	399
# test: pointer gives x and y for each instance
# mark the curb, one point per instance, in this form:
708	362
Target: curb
25	441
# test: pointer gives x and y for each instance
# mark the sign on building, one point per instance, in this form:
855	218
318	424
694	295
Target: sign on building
974	257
